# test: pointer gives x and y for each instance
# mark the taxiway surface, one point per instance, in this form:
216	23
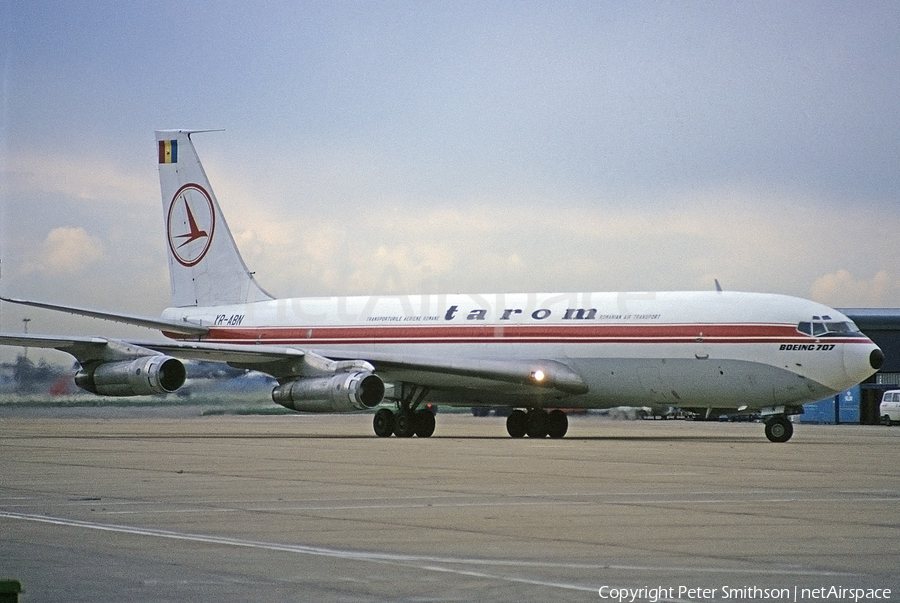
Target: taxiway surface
315	508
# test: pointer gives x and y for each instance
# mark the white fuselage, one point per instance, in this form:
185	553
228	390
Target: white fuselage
688	349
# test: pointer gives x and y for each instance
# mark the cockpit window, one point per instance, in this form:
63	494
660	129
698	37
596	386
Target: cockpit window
840	327
827	327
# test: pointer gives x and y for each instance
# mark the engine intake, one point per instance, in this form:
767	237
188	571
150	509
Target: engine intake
143	376
343	392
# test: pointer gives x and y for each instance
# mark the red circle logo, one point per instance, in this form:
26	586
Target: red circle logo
190	224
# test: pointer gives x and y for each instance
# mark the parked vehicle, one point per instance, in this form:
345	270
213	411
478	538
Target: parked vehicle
889	410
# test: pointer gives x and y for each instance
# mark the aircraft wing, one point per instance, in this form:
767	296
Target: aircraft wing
435	373
171	326
470	373
528	376
80	347
284	363
86	349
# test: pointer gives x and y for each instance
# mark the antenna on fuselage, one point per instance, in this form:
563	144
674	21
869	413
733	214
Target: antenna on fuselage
718	286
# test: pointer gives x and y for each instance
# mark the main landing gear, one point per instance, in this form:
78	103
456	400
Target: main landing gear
403	424
537	423
408	420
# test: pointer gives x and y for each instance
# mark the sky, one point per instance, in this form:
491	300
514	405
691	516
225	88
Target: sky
444	147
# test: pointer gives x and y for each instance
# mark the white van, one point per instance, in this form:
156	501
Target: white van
889	410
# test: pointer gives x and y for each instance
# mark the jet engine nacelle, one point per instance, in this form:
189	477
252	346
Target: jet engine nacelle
342	392
140	377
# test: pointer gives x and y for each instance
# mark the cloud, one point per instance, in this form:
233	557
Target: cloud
841	288
751	238
81	178
500	245
66	251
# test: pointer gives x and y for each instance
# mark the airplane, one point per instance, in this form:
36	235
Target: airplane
535	353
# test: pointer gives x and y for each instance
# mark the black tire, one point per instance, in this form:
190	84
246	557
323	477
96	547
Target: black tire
404	425
779	429
424	423
383	423
886	420
516	423
557	424
537	424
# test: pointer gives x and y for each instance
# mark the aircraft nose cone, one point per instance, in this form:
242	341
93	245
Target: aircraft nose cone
861	360
876	359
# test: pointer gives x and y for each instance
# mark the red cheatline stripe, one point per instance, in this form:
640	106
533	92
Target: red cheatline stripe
707	333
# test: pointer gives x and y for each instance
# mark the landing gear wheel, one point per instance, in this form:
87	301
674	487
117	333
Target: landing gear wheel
557	424
516	423
537	423
383	423
424	421
404	425
779	429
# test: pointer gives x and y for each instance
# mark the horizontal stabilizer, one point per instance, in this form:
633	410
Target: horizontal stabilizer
171	326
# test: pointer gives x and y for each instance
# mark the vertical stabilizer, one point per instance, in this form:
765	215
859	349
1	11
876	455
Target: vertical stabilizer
205	266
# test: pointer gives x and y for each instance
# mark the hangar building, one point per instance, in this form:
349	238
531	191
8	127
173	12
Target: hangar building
882	325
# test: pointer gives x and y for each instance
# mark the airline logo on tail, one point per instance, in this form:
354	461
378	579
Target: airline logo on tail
190	225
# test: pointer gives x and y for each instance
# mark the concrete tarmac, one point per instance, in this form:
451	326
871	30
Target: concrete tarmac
315	508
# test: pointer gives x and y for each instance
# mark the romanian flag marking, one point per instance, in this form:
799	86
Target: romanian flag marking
168	151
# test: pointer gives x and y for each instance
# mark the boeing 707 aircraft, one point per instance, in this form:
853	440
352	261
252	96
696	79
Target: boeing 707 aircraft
534	353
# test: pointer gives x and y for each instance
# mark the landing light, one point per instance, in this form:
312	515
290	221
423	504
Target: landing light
538	375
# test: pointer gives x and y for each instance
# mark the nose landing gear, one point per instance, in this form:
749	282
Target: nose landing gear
779	428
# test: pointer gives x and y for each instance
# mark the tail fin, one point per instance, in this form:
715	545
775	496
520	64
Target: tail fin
205	266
